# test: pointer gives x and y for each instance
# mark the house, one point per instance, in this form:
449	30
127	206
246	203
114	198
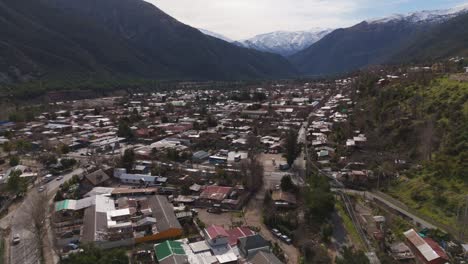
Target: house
238	232
97	178
170	252
216	236
249	246
200	156
214	195
263	257
283	199
426	250
128	178
113	222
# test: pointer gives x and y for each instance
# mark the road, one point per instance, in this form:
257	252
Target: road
26	252
379	197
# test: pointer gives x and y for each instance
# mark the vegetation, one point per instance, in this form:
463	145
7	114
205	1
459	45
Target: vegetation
424	121
287	184
128	159
16	184
348	225
349	256
320	201
14	161
94	255
292	147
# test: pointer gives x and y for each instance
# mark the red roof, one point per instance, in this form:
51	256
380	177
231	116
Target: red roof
215	192
238	232
436	248
215	231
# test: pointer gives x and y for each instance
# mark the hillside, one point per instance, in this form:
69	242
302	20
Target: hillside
128	38
411	38
445	40
349	49
423	122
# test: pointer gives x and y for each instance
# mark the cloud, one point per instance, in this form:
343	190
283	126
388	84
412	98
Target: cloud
238	19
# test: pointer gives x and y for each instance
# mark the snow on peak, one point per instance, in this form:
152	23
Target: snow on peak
285	42
429	16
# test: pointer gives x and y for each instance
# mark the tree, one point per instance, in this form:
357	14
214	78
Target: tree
8	147
35	219
287	185
124	130
94	255
320	201
14	161
16	184
252	174
128	159
291	146
352	257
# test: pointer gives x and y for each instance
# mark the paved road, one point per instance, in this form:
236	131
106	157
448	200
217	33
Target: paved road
26	251
391	204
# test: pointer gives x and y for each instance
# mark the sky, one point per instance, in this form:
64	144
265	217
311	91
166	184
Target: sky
241	19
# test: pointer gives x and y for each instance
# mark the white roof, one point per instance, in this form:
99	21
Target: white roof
422	246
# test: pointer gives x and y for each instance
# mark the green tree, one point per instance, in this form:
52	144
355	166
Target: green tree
94	255
14	161
291	146
16	184
320	201
124	130
8	147
352	257
287	185
128	159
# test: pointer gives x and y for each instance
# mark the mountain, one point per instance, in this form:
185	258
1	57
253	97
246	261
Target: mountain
127	38
285	42
446	40
369	42
215	35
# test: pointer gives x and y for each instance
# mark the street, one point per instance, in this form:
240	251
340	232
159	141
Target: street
26	251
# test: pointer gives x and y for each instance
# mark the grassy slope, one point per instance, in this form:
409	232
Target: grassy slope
426	124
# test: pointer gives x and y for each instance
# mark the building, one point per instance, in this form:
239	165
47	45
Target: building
200	156
216	236
283	199
263	257
170	252
249	246
114	222
426	250
212	195
94	179
138	179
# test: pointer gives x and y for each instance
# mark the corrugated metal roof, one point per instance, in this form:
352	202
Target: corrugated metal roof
422	246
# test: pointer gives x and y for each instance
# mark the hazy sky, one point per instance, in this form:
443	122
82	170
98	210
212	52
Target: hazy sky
238	19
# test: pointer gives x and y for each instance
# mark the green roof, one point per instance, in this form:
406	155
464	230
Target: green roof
167	249
62	205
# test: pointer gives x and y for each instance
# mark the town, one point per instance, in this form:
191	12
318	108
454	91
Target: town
270	174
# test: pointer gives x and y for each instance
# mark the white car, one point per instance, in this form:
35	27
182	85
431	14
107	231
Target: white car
41	189
16	239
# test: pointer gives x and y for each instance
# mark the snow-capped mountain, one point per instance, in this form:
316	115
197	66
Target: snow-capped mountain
215	35
285	42
427	16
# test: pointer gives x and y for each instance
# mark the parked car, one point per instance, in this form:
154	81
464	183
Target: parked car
276	232
286	239
214	210
59	178
16	239
41	189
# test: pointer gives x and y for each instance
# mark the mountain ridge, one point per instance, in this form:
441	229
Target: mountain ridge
128	38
